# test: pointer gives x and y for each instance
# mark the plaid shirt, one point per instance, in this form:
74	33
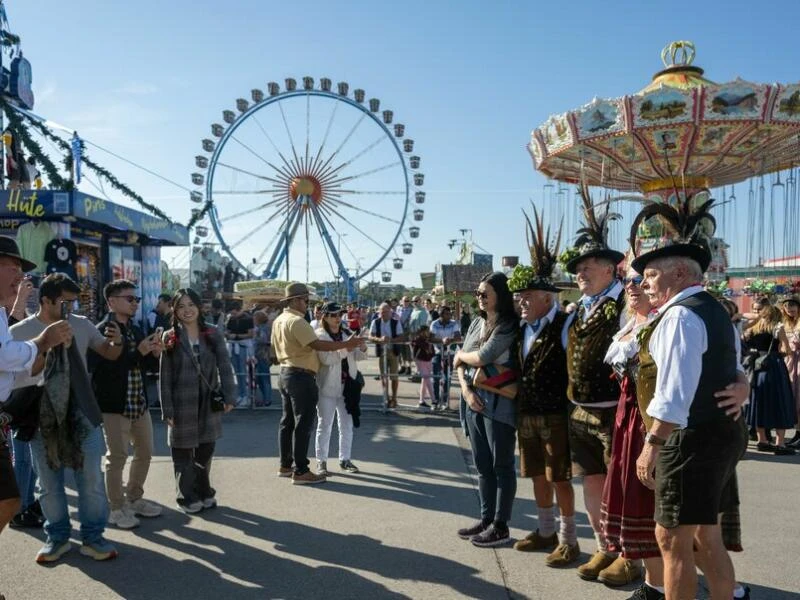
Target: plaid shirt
135	402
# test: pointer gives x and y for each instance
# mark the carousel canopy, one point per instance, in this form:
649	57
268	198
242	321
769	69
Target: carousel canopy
681	125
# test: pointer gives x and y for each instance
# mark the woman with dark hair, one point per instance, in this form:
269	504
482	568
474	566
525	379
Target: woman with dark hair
488	418
195	364
335	366
771	399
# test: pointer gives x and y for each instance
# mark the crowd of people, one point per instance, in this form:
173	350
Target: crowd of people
638	388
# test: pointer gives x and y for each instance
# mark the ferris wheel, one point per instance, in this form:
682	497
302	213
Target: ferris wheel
310	183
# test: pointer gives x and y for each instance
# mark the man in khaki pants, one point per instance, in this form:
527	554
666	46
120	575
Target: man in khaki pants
120	391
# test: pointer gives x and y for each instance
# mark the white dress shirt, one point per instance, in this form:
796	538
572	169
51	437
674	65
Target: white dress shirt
15	357
530	336
677	346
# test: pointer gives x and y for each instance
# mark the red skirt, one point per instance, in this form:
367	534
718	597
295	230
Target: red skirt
628	507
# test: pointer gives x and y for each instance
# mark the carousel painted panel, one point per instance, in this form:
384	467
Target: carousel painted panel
600	118
735	101
556	134
535	149
713	138
664	106
670	141
787	105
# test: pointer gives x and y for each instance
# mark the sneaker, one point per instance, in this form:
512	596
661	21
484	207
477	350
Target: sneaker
242	402
621	572
52	551
590	570
27	519
423	404
285	472
745	597
794	442
307	478
209	503
322	468
122	518
490	537
144	508
765	447
99	550
645	592
466	533
563	556
346	465
192	508
535	541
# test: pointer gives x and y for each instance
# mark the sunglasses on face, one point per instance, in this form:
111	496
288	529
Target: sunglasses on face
481	295
637	280
130	298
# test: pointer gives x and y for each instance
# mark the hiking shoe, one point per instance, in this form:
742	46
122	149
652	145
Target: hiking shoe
99	550
322	468
209	503
490	537
466	533
192	508
563	556
27	519
645	592
285	472
122	518
621	572
52	551
145	508
346	465
589	571
307	478
535	541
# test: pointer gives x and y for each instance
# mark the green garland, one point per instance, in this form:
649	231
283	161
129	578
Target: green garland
21	131
200	215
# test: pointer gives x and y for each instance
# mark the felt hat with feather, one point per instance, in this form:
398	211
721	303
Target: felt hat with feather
687	230
592	237
544	257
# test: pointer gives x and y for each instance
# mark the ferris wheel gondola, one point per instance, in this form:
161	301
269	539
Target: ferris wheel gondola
308	178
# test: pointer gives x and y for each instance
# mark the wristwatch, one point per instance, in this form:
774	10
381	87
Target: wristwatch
654	440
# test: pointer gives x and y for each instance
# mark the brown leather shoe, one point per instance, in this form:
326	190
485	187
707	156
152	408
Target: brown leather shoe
563	556
590	570
535	541
621	572
285	471
307	478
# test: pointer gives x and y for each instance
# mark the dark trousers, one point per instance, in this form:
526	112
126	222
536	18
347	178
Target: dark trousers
438	374
299	395
192	473
493	445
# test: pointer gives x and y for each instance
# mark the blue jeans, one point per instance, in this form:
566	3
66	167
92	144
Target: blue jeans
23	472
92	501
262	380
437	375
239	364
493	444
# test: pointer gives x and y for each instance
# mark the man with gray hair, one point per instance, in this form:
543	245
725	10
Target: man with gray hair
692	447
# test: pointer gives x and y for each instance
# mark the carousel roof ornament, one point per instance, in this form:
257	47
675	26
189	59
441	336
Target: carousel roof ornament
707	134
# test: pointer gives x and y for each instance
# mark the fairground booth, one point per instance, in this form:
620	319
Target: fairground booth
91	239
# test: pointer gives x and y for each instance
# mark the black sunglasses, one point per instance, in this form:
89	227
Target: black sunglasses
481	295
130	298
637	280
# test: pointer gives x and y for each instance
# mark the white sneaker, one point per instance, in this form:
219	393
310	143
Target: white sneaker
144	508
191	509
210	503
123	519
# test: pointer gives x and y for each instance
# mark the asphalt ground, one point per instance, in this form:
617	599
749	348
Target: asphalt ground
386	532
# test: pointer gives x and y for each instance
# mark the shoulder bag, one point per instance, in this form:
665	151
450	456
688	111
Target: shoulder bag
216	397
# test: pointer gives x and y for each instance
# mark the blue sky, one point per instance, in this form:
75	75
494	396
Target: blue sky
468	79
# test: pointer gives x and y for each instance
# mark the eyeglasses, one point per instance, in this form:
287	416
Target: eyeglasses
637	280
481	295
130	298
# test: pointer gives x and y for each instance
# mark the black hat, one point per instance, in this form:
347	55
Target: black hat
8	247
544	256
332	308
591	241
687	231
